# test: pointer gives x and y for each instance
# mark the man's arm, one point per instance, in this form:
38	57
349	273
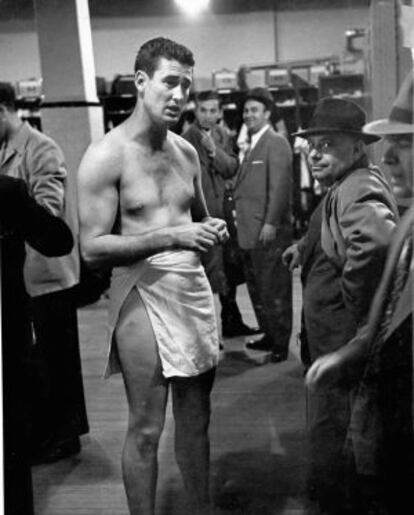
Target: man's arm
279	163
43	231
98	201
47	174
225	160
199	209
367	222
345	363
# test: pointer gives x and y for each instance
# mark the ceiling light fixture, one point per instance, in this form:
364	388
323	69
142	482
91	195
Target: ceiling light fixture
192	7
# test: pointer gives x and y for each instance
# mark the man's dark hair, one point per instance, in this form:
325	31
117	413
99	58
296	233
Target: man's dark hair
203	96
150	53
7	95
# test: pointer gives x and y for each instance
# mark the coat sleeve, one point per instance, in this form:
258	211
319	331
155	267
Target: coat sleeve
279	168
19	212
47	175
367	219
225	161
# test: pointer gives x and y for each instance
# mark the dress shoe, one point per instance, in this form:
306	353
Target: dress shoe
57	451
263	344
241	329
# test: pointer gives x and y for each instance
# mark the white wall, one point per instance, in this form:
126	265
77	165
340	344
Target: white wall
19	51
317	32
218	41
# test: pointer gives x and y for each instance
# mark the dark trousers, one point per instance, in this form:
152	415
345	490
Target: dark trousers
328	421
230	313
62	413
269	283
17	396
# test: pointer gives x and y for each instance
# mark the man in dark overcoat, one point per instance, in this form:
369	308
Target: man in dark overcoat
342	257
378	360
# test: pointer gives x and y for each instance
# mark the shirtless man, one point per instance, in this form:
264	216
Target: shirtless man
142	211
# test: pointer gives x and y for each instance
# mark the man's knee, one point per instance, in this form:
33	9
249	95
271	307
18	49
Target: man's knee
144	439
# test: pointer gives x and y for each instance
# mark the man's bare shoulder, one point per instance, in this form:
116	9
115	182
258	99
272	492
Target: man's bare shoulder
104	157
182	145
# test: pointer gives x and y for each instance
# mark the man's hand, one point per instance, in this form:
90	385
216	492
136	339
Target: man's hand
220	225
325	369
208	143
200	236
291	257
267	234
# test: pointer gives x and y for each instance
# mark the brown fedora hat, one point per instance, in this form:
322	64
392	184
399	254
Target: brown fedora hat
337	115
400	119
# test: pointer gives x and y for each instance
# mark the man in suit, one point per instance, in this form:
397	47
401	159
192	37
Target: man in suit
377	362
262	195
333	290
218	163
60	417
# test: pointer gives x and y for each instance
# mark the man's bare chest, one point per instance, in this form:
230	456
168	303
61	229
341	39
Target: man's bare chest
156	183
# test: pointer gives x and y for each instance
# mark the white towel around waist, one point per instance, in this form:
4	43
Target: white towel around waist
180	306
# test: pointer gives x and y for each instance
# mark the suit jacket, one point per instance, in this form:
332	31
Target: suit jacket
263	189
328	324
34	157
359	217
381	429
214	171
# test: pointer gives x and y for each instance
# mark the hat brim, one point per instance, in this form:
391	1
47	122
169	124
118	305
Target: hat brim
385	126
365	137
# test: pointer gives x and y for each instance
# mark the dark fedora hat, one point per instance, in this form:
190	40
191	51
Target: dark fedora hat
337	115
261	95
401	118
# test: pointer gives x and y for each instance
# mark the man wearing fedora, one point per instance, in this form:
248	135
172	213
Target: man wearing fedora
342	258
378	360
262	195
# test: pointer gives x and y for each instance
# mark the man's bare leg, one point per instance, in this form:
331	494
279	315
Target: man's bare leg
191	408
147	396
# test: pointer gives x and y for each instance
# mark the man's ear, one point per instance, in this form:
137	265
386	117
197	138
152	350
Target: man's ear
267	114
359	148
141	79
3	111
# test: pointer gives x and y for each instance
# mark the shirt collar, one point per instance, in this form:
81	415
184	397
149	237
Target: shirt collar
19	138
257	135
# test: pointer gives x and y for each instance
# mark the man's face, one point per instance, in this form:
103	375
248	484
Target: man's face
208	113
331	155
166	92
398	157
255	115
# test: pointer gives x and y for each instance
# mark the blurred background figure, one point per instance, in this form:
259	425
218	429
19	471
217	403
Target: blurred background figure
22	221
59	417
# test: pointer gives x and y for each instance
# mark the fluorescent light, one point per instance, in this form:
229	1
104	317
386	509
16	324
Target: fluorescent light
192	7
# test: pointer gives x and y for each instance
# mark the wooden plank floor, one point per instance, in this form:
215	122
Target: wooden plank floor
257	435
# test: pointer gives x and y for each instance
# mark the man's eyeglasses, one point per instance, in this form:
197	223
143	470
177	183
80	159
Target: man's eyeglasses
322	147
